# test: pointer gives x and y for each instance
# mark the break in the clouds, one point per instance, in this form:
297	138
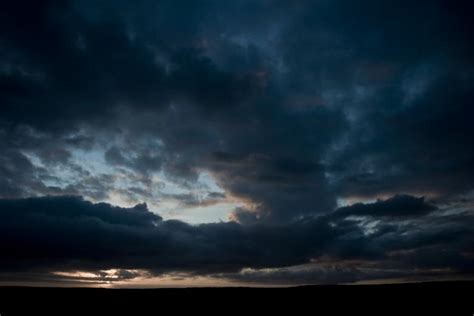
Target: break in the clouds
273	142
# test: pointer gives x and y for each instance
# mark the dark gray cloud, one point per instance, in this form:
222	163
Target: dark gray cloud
199	104
67	233
288	106
397	206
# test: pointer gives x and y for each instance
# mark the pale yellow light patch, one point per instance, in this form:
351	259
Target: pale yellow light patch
175	281
76	274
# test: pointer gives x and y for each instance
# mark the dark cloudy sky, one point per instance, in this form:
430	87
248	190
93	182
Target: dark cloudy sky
177	143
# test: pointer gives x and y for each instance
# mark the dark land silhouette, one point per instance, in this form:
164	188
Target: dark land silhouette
430	298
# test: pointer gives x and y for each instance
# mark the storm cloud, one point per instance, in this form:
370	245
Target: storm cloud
224	139
52	234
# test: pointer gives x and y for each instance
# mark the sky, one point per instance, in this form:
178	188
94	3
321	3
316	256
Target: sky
227	143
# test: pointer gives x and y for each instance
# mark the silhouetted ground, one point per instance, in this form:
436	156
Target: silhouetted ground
445	298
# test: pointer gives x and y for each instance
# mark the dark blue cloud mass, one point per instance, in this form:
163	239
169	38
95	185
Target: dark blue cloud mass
52	234
326	130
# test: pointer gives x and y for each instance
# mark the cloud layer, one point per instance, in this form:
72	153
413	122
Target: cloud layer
309	128
54	234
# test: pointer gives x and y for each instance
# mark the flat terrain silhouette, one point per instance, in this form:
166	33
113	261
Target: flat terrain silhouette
449	298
